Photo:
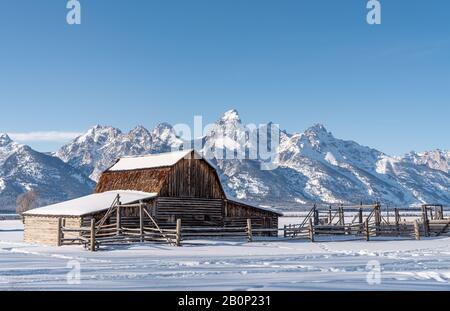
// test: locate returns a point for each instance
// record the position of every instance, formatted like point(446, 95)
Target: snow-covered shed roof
point(90, 204)
point(150, 161)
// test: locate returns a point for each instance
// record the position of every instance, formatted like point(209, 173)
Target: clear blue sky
point(294, 62)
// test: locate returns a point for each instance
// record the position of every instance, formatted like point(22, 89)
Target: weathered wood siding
point(236, 215)
point(193, 178)
point(193, 212)
point(44, 229)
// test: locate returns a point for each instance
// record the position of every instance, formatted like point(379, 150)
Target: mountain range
point(312, 166)
point(23, 169)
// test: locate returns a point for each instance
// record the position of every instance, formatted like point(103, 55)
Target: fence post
point(416, 230)
point(367, 230)
point(425, 221)
point(397, 221)
point(118, 220)
point(311, 230)
point(59, 233)
point(360, 216)
point(284, 231)
point(141, 222)
point(377, 218)
point(315, 214)
point(178, 233)
point(249, 230)
point(92, 245)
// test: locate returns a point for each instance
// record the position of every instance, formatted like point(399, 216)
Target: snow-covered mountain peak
point(4, 139)
point(318, 132)
point(140, 135)
point(139, 130)
point(162, 128)
point(317, 128)
point(100, 146)
point(227, 133)
point(23, 169)
point(231, 116)
point(7, 147)
point(164, 135)
point(435, 159)
point(99, 134)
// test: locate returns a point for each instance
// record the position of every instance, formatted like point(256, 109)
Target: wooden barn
point(171, 187)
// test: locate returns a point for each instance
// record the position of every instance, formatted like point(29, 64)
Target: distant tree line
point(26, 201)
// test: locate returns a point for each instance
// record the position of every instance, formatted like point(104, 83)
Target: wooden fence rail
point(93, 237)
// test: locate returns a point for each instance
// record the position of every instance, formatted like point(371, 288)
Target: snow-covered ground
point(226, 265)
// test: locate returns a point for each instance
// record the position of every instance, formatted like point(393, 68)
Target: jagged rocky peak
point(435, 159)
point(97, 132)
point(230, 116)
point(140, 135)
point(7, 147)
point(226, 133)
point(139, 131)
point(318, 130)
point(163, 131)
point(314, 137)
point(4, 139)
point(162, 127)
point(229, 124)
point(164, 135)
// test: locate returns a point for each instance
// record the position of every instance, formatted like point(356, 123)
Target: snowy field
point(226, 265)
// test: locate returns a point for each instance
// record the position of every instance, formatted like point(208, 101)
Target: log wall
point(44, 229)
point(236, 215)
point(193, 212)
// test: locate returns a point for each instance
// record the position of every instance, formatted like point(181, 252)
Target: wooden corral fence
point(431, 223)
point(331, 221)
point(229, 232)
point(367, 222)
point(121, 230)
point(114, 228)
point(94, 236)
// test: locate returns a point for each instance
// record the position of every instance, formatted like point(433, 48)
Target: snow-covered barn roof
point(148, 173)
point(150, 161)
point(90, 204)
